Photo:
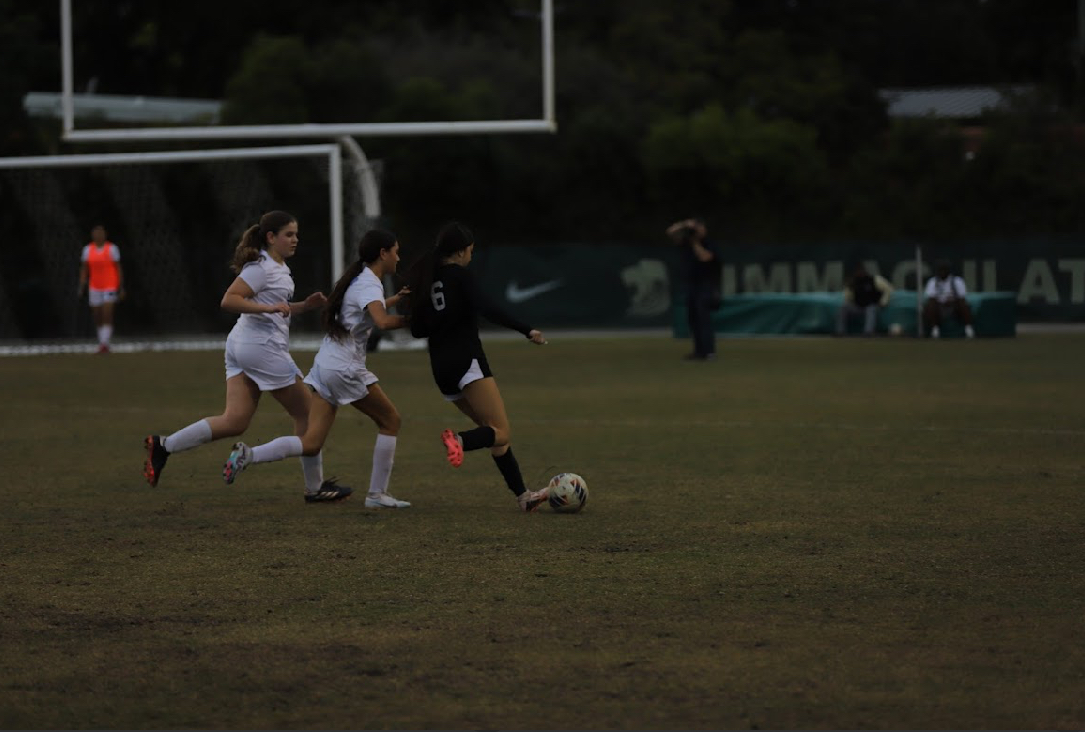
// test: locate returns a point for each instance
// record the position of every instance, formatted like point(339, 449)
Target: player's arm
point(239, 299)
point(398, 297)
point(931, 291)
point(120, 281)
point(84, 274)
point(703, 253)
point(885, 288)
point(678, 229)
point(316, 300)
point(496, 315)
point(382, 318)
point(958, 288)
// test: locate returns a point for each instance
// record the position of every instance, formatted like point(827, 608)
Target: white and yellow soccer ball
point(568, 492)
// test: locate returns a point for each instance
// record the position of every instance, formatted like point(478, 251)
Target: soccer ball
point(568, 492)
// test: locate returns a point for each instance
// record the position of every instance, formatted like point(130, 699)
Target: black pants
point(699, 307)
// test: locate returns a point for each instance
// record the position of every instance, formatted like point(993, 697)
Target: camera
point(687, 234)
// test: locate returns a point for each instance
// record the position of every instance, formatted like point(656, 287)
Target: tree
point(20, 55)
point(762, 175)
point(270, 87)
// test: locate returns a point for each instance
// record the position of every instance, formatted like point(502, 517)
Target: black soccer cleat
point(156, 459)
point(330, 492)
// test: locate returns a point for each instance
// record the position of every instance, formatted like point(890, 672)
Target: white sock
point(968, 331)
point(105, 333)
point(312, 467)
point(384, 455)
point(936, 332)
point(101, 335)
point(278, 449)
point(196, 434)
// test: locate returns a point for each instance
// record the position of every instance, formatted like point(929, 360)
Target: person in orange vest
point(102, 268)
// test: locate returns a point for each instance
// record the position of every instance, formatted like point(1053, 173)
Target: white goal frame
point(547, 123)
point(328, 150)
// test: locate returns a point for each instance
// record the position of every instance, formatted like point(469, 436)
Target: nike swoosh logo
point(514, 293)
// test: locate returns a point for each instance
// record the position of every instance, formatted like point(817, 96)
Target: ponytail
point(247, 250)
point(420, 280)
point(369, 250)
point(254, 240)
point(453, 237)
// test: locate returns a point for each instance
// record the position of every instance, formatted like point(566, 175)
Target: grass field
point(805, 534)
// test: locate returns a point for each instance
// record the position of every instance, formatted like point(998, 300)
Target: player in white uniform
point(257, 350)
point(339, 375)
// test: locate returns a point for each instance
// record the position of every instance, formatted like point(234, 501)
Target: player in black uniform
point(445, 305)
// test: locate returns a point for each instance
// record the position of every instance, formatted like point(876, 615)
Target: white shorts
point(474, 373)
point(269, 366)
point(98, 298)
point(340, 387)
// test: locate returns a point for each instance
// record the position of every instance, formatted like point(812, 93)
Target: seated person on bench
point(945, 299)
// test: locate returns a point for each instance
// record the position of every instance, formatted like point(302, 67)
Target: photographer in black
point(701, 265)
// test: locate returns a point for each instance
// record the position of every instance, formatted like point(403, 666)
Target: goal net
point(176, 218)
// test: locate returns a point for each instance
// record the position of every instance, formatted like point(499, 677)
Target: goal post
point(546, 123)
point(175, 216)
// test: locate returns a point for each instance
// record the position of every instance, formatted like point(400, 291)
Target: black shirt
point(864, 291)
point(700, 275)
point(449, 317)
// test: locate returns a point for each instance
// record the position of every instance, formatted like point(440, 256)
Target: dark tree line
point(761, 115)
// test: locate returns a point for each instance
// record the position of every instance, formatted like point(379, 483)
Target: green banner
point(636, 286)
point(1046, 277)
point(575, 286)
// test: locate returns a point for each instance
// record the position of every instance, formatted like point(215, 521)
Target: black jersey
point(449, 319)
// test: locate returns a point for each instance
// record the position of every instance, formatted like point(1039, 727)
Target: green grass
point(805, 534)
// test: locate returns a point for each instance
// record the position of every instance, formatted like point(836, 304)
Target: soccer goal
point(176, 218)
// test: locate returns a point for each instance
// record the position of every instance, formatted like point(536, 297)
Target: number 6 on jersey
point(437, 295)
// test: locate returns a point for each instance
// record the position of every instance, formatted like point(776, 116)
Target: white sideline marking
point(310, 343)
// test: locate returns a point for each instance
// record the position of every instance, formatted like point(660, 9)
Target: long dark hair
point(453, 237)
point(254, 240)
point(370, 247)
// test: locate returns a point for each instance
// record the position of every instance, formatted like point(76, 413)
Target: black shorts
point(450, 371)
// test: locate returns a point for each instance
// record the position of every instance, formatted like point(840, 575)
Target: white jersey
point(271, 284)
point(349, 353)
point(945, 290)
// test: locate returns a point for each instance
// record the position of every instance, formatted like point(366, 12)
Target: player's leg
point(378, 407)
point(708, 330)
point(482, 402)
point(309, 436)
point(870, 319)
point(105, 325)
point(242, 397)
point(964, 314)
point(96, 298)
point(483, 405)
point(694, 325)
point(932, 317)
point(296, 400)
point(319, 420)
